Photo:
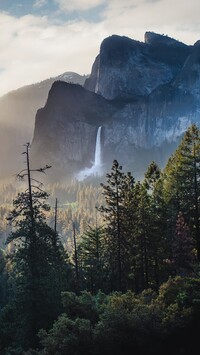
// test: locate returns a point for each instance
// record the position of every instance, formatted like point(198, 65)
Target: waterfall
point(96, 168)
point(97, 157)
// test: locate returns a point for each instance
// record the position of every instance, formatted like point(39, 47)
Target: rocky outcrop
point(127, 68)
point(133, 133)
point(188, 78)
point(66, 128)
point(143, 98)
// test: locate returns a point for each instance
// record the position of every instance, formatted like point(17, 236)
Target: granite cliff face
point(188, 79)
point(66, 128)
point(144, 95)
point(126, 67)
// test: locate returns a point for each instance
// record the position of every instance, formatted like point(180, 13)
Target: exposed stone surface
point(125, 67)
point(66, 128)
point(144, 95)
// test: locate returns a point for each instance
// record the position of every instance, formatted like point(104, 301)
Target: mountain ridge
point(17, 120)
point(149, 106)
point(143, 94)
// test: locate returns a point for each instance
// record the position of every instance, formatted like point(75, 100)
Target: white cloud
point(32, 49)
point(40, 3)
point(133, 17)
point(80, 5)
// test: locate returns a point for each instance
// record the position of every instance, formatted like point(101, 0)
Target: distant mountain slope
point(17, 118)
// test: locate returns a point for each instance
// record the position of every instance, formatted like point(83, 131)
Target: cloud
point(40, 3)
point(34, 48)
point(80, 5)
point(178, 19)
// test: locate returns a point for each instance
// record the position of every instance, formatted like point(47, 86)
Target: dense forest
point(104, 268)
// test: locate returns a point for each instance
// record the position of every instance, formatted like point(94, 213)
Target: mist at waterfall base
point(96, 169)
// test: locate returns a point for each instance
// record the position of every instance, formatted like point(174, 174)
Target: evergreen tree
point(152, 175)
point(112, 213)
point(159, 246)
point(142, 238)
point(182, 183)
point(116, 214)
point(37, 261)
point(92, 259)
point(128, 226)
point(76, 259)
point(183, 249)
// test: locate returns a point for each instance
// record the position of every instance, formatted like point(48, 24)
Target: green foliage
point(67, 337)
point(37, 265)
point(37, 268)
point(83, 306)
point(117, 218)
point(142, 238)
point(152, 175)
point(126, 323)
point(181, 181)
point(148, 323)
point(150, 232)
point(184, 257)
point(91, 259)
point(183, 291)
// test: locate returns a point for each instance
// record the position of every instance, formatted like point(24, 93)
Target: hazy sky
point(44, 38)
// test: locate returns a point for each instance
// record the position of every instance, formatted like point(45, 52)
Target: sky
point(40, 39)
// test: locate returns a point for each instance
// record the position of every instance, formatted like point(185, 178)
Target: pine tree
point(182, 183)
point(92, 259)
point(116, 215)
point(152, 175)
point(159, 244)
point(76, 258)
point(183, 248)
point(142, 238)
point(37, 261)
point(128, 226)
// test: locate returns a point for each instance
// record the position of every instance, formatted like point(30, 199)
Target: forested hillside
point(104, 268)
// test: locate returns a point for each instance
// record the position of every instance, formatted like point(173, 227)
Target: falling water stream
point(97, 157)
point(96, 168)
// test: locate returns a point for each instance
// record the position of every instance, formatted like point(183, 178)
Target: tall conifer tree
point(183, 248)
point(182, 182)
point(37, 261)
point(118, 224)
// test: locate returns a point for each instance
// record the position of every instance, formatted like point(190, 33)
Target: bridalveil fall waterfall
point(96, 168)
point(97, 158)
